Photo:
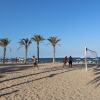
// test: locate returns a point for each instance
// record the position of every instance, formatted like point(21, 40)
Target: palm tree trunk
point(4, 54)
point(38, 51)
point(53, 54)
point(26, 49)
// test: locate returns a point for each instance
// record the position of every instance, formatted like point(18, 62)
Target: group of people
point(65, 61)
point(68, 60)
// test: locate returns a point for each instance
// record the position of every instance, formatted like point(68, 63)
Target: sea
point(48, 60)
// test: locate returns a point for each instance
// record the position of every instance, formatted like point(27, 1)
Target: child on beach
point(35, 62)
point(65, 61)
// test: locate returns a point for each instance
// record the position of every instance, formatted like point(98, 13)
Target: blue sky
point(75, 22)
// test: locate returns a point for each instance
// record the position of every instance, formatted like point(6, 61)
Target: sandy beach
point(50, 82)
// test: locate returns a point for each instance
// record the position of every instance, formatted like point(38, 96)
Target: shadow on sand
point(23, 76)
point(51, 72)
point(49, 75)
point(8, 93)
point(45, 70)
point(13, 68)
point(96, 80)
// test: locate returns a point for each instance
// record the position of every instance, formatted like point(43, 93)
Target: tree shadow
point(8, 93)
point(45, 70)
point(53, 72)
point(47, 76)
point(83, 66)
point(13, 68)
point(1, 76)
point(96, 80)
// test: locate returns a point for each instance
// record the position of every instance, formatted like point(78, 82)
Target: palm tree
point(4, 43)
point(37, 38)
point(53, 40)
point(26, 43)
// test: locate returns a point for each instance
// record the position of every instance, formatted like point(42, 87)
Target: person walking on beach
point(65, 61)
point(70, 60)
point(16, 60)
point(19, 60)
point(35, 62)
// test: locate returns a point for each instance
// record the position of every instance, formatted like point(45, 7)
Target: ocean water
point(48, 60)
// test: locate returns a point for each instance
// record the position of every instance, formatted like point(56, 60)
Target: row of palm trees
point(26, 43)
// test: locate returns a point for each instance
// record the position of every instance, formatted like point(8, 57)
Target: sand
point(50, 82)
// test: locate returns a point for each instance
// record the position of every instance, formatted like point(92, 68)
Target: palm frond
point(53, 40)
point(37, 38)
point(4, 42)
point(25, 42)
